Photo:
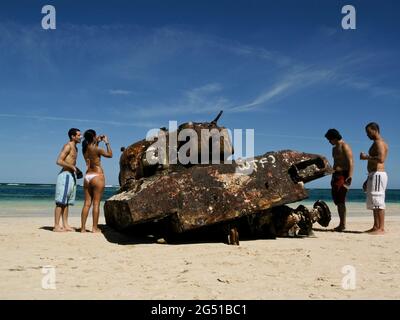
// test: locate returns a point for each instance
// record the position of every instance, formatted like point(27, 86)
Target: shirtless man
point(66, 181)
point(342, 177)
point(375, 185)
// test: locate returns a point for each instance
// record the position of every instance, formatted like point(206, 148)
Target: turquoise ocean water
point(19, 199)
point(38, 199)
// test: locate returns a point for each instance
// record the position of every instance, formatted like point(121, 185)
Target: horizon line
point(112, 185)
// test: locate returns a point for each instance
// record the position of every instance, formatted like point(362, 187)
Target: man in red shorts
point(342, 177)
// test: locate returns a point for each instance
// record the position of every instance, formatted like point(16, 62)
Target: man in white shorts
point(375, 185)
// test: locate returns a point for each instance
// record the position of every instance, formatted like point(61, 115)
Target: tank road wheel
point(233, 236)
point(324, 213)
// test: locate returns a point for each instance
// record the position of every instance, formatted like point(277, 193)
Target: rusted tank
point(247, 196)
point(134, 165)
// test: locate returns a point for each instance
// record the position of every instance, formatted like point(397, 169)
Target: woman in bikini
point(94, 181)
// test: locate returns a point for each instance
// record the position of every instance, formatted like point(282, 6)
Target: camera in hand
point(79, 174)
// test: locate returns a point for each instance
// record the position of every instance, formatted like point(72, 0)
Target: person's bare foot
point(339, 228)
point(58, 229)
point(96, 230)
point(373, 229)
point(377, 232)
point(69, 228)
point(161, 241)
point(83, 230)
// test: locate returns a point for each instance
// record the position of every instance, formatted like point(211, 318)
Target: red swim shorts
point(339, 191)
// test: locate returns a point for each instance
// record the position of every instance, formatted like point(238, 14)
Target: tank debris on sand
point(246, 196)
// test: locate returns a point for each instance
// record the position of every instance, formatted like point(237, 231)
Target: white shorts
point(376, 188)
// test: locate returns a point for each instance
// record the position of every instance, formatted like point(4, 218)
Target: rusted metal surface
point(284, 221)
point(133, 164)
point(205, 195)
point(199, 196)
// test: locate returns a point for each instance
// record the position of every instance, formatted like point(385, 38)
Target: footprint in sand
point(18, 268)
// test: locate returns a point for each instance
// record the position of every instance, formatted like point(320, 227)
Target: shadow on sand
point(113, 236)
point(332, 230)
point(120, 238)
point(50, 228)
point(132, 238)
point(46, 228)
point(194, 237)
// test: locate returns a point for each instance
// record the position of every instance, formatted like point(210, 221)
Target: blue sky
point(286, 69)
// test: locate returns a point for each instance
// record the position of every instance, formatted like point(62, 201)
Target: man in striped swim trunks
point(66, 181)
point(375, 185)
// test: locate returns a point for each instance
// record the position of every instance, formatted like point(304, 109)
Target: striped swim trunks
point(65, 189)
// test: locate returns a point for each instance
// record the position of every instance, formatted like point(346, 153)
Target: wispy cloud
point(328, 31)
point(74, 120)
point(285, 136)
point(364, 143)
point(146, 49)
point(292, 82)
point(200, 100)
point(361, 84)
point(303, 77)
point(297, 76)
point(278, 89)
point(347, 71)
point(120, 92)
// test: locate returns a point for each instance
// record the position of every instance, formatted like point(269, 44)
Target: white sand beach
point(115, 266)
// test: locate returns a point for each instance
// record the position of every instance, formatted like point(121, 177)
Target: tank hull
point(206, 195)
